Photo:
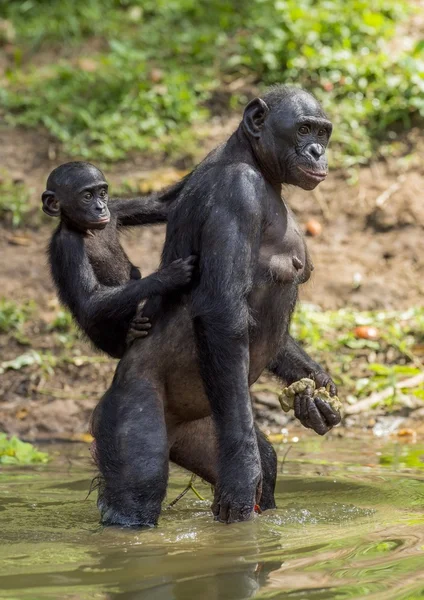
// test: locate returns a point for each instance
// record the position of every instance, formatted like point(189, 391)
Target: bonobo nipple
point(297, 263)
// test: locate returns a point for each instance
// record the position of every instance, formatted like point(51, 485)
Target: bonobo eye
point(322, 132)
point(88, 195)
point(304, 129)
point(102, 193)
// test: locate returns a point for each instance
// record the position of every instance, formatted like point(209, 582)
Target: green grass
point(157, 66)
point(363, 366)
point(14, 201)
point(13, 316)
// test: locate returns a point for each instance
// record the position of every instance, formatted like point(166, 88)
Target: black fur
point(207, 347)
point(91, 271)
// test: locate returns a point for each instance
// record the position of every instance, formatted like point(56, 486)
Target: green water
point(349, 524)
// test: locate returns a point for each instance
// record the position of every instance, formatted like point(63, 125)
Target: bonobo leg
point(131, 453)
point(194, 447)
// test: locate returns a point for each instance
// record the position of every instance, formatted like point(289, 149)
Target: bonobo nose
point(315, 151)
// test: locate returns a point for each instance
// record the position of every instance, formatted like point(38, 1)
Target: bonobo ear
point(254, 116)
point(50, 204)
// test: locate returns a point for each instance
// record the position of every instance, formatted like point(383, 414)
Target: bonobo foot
point(238, 490)
point(315, 413)
point(124, 510)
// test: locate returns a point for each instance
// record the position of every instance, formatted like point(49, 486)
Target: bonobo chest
point(108, 259)
point(283, 256)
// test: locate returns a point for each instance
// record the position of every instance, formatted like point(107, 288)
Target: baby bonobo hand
point(179, 273)
point(173, 277)
point(139, 326)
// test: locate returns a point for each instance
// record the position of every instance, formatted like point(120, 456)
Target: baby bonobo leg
point(131, 453)
point(194, 447)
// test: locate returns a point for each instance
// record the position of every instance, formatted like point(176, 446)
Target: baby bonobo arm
point(293, 363)
point(95, 306)
point(146, 210)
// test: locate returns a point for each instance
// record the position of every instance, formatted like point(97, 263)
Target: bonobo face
point(78, 193)
point(293, 137)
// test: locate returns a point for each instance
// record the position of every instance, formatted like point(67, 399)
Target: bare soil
point(369, 255)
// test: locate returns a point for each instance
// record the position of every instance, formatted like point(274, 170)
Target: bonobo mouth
point(314, 175)
point(99, 224)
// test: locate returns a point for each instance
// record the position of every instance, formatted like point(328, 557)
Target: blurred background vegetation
point(115, 76)
point(125, 83)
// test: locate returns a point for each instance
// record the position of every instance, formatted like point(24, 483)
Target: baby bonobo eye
point(102, 193)
point(322, 132)
point(88, 195)
point(304, 129)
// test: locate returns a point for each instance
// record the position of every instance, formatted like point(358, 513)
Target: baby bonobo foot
point(179, 273)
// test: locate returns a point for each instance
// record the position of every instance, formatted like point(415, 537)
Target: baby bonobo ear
point(254, 116)
point(50, 204)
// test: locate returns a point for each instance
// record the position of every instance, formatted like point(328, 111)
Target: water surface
point(349, 524)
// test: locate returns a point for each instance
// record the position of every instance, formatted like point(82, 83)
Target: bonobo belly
point(168, 356)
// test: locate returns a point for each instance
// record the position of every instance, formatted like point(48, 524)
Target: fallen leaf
point(19, 240)
point(22, 414)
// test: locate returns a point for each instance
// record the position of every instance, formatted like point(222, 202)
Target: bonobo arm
point(104, 312)
point(229, 249)
point(291, 364)
point(146, 210)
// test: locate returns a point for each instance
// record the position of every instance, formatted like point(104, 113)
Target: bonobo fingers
point(314, 413)
point(180, 272)
point(323, 379)
point(316, 419)
point(141, 324)
point(301, 410)
point(331, 416)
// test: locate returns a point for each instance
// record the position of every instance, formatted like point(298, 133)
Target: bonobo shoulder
point(245, 183)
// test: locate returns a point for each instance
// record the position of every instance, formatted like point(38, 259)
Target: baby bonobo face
point(78, 193)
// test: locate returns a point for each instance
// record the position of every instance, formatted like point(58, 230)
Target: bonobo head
point(78, 193)
point(289, 133)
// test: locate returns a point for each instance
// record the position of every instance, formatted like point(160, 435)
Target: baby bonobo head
point(289, 133)
point(77, 192)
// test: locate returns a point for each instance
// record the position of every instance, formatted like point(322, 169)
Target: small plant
point(63, 322)
point(14, 201)
point(13, 316)
point(16, 452)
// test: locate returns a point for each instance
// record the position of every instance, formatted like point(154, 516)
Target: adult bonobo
point(183, 393)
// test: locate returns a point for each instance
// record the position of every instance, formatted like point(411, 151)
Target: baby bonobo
point(92, 273)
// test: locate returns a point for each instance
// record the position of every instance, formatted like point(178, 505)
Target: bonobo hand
point(314, 413)
point(323, 379)
point(239, 488)
point(179, 273)
point(139, 326)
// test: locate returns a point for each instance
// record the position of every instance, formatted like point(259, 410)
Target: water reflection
point(349, 525)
